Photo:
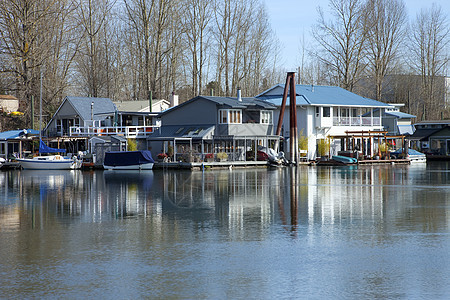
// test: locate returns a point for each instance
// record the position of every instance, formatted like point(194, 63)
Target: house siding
point(189, 112)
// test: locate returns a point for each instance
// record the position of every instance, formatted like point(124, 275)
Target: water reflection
point(243, 200)
point(356, 232)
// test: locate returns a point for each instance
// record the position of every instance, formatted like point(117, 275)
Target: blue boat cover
point(128, 158)
point(43, 148)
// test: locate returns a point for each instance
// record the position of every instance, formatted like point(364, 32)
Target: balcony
point(356, 121)
point(125, 131)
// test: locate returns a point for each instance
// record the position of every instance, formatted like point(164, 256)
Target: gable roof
point(82, 106)
point(231, 102)
point(311, 95)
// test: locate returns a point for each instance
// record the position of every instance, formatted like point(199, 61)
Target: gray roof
point(321, 95)
point(423, 134)
point(182, 131)
point(83, 106)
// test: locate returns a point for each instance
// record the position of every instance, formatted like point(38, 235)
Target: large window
point(266, 117)
point(230, 116)
point(326, 112)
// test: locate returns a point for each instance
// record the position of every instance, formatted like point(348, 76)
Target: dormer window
point(230, 116)
point(266, 117)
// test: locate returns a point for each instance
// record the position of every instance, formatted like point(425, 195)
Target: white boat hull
point(147, 166)
point(35, 164)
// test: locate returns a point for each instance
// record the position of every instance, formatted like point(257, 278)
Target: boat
point(413, 155)
point(344, 159)
point(128, 160)
point(48, 162)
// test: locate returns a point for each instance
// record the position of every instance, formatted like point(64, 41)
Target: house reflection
point(239, 202)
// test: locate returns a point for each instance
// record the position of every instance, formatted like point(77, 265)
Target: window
point(230, 116)
point(317, 112)
point(266, 117)
point(326, 112)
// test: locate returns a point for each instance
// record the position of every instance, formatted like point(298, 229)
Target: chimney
point(173, 99)
point(312, 88)
point(239, 98)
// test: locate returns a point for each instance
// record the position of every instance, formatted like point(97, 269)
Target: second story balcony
point(125, 131)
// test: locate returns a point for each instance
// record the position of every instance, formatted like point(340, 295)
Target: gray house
point(88, 116)
point(208, 127)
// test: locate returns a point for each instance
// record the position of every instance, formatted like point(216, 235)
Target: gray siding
point(244, 129)
point(194, 113)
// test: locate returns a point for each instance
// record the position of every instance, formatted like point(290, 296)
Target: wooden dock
point(209, 165)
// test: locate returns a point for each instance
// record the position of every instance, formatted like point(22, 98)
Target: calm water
point(315, 233)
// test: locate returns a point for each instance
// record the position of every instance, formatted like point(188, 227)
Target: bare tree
point(343, 40)
point(197, 15)
point(36, 37)
point(91, 63)
point(385, 22)
point(429, 46)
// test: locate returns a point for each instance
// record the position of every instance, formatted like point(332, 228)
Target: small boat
point(48, 162)
point(128, 160)
point(413, 155)
point(344, 159)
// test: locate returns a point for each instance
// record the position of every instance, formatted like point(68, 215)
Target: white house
point(327, 111)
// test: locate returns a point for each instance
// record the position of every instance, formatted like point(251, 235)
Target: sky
point(292, 21)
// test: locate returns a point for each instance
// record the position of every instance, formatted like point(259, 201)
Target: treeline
point(134, 49)
point(137, 49)
point(373, 48)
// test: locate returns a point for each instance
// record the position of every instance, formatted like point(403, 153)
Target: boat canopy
point(128, 158)
point(43, 148)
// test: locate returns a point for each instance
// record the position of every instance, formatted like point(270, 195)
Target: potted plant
point(209, 157)
point(323, 147)
point(162, 156)
point(222, 156)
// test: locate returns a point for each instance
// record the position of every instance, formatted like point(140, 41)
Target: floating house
point(329, 113)
point(214, 128)
point(432, 138)
point(88, 116)
point(12, 142)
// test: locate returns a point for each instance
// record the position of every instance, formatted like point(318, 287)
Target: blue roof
point(320, 95)
point(400, 115)
point(14, 134)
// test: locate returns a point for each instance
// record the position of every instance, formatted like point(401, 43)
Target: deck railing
point(126, 131)
point(356, 121)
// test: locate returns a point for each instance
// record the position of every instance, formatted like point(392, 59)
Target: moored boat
point(344, 159)
point(412, 155)
point(128, 160)
point(48, 162)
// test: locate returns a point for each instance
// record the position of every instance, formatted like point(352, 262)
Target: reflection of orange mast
point(293, 139)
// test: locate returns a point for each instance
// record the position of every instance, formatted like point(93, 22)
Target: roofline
point(271, 88)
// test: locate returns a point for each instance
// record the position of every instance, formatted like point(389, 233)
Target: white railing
point(126, 131)
point(356, 121)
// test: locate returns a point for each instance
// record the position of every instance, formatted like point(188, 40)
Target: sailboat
point(49, 162)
